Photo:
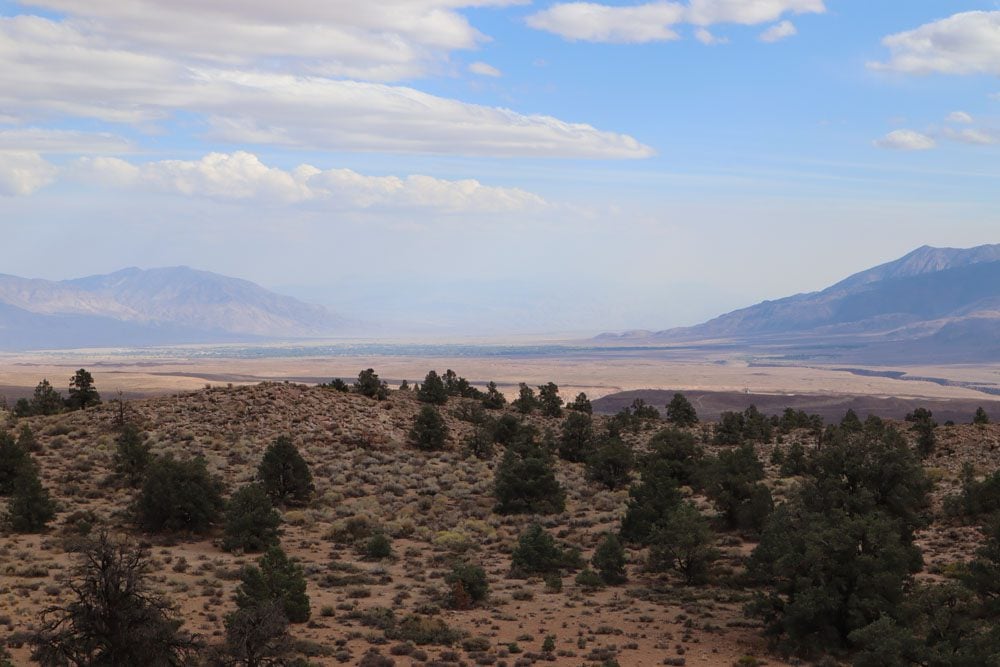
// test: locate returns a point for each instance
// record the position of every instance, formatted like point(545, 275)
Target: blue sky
point(491, 166)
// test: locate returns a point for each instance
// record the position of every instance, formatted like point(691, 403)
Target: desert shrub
point(378, 547)
point(429, 432)
point(609, 560)
point(538, 553)
point(650, 501)
point(275, 578)
point(179, 496)
point(589, 579)
point(285, 474)
point(251, 522)
point(337, 384)
point(368, 384)
point(683, 542)
point(549, 401)
point(132, 454)
point(493, 399)
point(467, 585)
point(527, 484)
point(680, 412)
point(30, 508)
point(576, 442)
point(433, 390)
point(109, 589)
point(610, 463)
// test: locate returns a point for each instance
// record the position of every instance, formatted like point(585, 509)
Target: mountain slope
point(146, 307)
point(929, 295)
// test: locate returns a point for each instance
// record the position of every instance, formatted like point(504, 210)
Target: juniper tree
point(609, 560)
point(179, 496)
point(433, 390)
point(680, 412)
point(30, 507)
point(581, 404)
point(251, 522)
point(275, 578)
point(430, 431)
point(46, 400)
point(493, 399)
point(549, 400)
point(132, 454)
point(526, 401)
point(368, 384)
point(82, 392)
point(576, 442)
point(285, 474)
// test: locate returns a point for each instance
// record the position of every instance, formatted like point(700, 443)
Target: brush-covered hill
point(436, 508)
point(934, 304)
point(151, 307)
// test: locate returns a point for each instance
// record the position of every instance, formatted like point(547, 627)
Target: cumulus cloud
point(484, 69)
point(778, 32)
point(23, 172)
point(906, 140)
point(384, 40)
point(964, 43)
point(655, 21)
point(50, 68)
point(959, 117)
point(592, 22)
point(242, 176)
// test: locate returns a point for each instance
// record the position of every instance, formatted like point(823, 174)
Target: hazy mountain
point(934, 302)
point(151, 307)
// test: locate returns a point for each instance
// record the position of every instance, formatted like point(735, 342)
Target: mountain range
point(932, 305)
point(164, 306)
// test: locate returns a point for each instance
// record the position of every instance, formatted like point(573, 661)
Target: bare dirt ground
point(436, 506)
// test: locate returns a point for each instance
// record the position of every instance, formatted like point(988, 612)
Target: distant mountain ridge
point(151, 307)
point(939, 302)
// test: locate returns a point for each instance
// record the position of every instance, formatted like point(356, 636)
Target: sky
point(498, 166)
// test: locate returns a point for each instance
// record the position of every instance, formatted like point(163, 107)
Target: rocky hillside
point(156, 306)
point(435, 506)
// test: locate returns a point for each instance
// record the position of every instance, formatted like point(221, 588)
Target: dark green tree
point(650, 502)
point(132, 454)
point(680, 451)
point(82, 392)
point(27, 441)
point(851, 422)
point(549, 400)
point(683, 542)
point(112, 618)
point(526, 401)
point(609, 560)
point(732, 481)
point(433, 390)
point(480, 443)
point(257, 636)
point(251, 522)
point(338, 384)
point(494, 399)
point(981, 417)
point(581, 404)
point(538, 553)
point(46, 400)
point(680, 412)
point(526, 484)
point(610, 463)
point(429, 432)
point(30, 508)
point(275, 578)
point(467, 584)
point(285, 474)
point(13, 458)
point(179, 496)
point(368, 384)
point(577, 440)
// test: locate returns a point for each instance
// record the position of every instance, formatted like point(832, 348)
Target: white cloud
point(242, 176)
point(959, 117)
point(704, 36)
point(484, 69)
point(384, 40)
point(592, 22)
point(964, 43)
point(22, 172)
point(51, 69)
point(975, 136)
point(749, 12)
point(906, 140)
point(778, 32)
point(655, 21)
point(42, 140)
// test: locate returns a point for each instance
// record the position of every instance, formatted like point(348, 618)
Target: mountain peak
point(925, 259)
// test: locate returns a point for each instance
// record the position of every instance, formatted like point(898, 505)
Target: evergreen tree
point(132, 454)
point(429, 432)
point(610, 463)
point(251, 522)
point(549, 400)
point(683, 541)
point(526, 484)
point(82, 392)
point(26, 440)
point(493, 400)
point(433, 390)
point(577, 440)
point(981, 417)
point(30, 507)
point(679, 451)
point(257, 636)
point(46, 400)
point(680, 412)
point(13, 458)
point(526, 402)
point(609, 560)
point(538, 553)
point(732, 481)
point(285, 474)
point(368, 384)
point(275, 578)
point(179, 496)
point(650, 502)
point(581, 404)
point(468, 585)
